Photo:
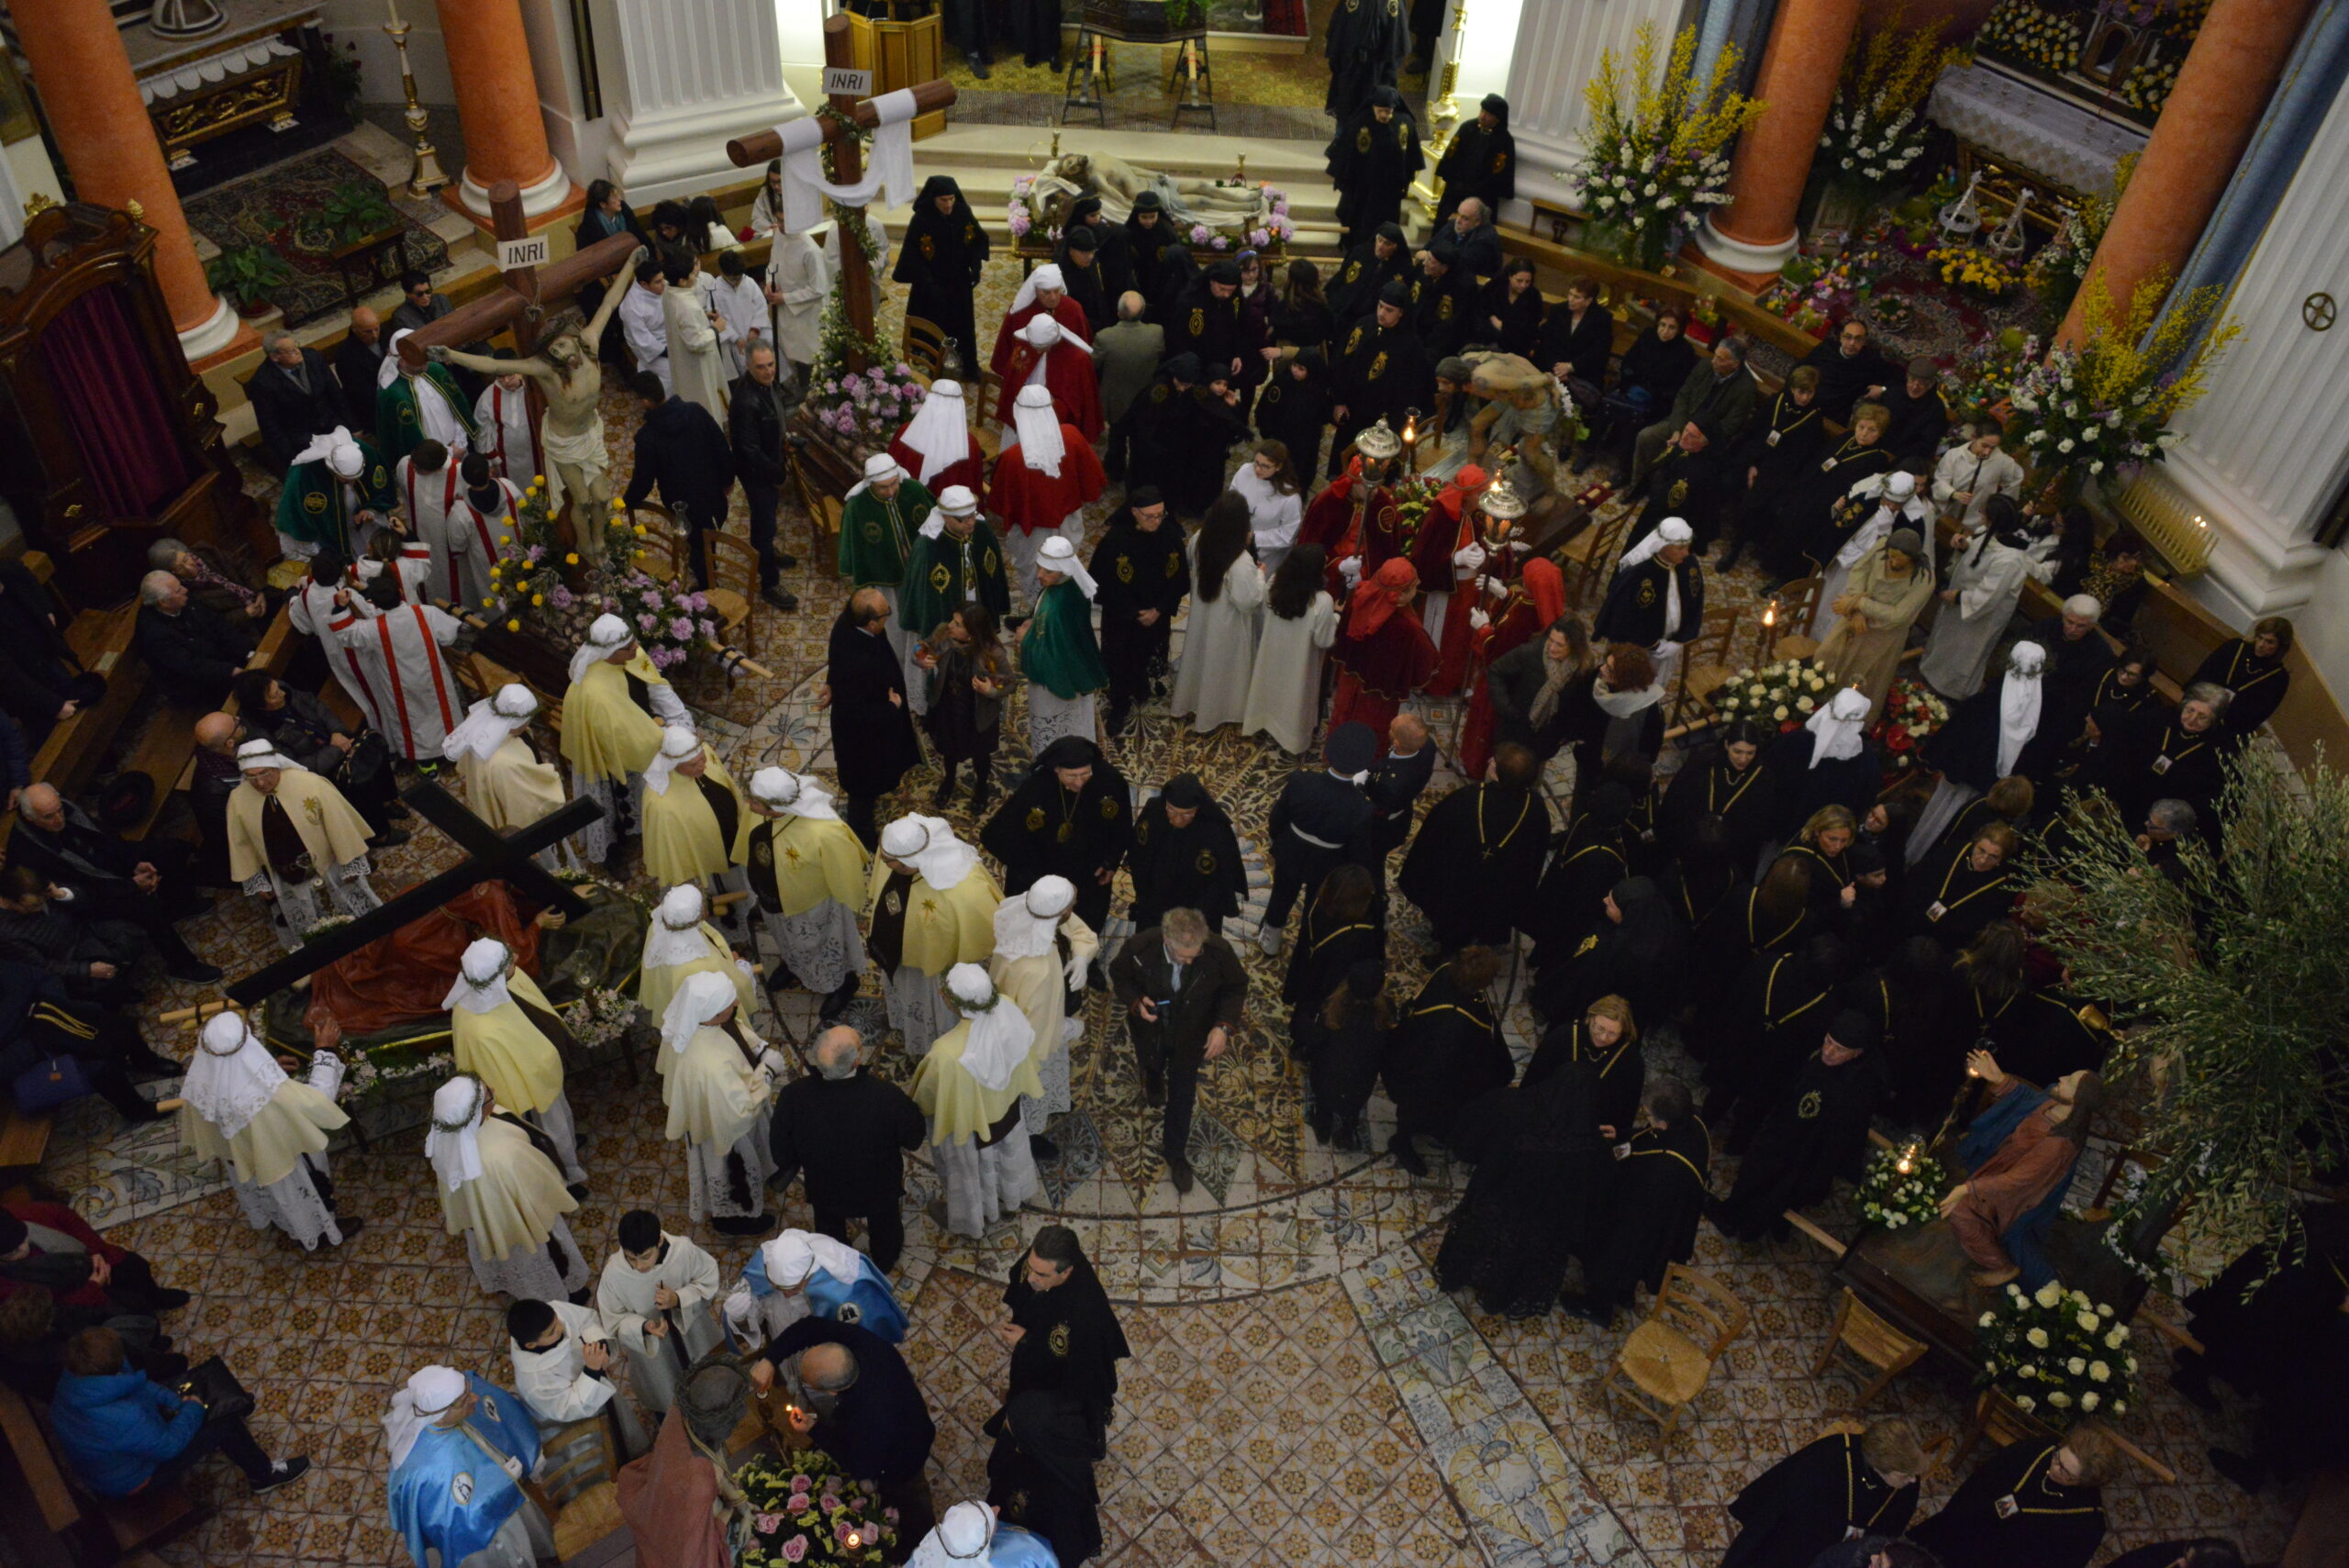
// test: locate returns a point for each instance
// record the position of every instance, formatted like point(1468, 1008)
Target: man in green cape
point(1057, 652)
point(413, 405)
point(877, 524)
point(337, 489)
point(957, 560)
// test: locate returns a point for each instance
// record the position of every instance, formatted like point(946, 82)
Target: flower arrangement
point(1658, 155)
point(529, 571)
point(806, 1513)
point(373, 1074)
point(1911, 714)
point(2111, 400)
point(600, 1016)
point(1876, 130)
point(669, 620)
point(2059, 267)
point(1987, 371)
point(2057, 1354)
point(2029, 34)
point(1784, 694)
point(1976, 271)
point(1902, 1188)
point(867, 407)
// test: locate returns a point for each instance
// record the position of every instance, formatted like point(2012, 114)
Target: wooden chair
point(663, 541)
point(1798, 607)
point(1996, 1418)
point(823, 514)
point(577, 1475)
point(1584, 560)
point(1883, 1348)
point(1665, 1361)
point(732, 566)
point(924, 346)
point(1706, 664)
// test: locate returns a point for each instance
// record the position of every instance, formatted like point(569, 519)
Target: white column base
point(1739, 257)
point(216, 333)
point(543, 195)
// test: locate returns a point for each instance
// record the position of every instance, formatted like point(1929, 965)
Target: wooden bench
point(168, 750)
point(1557, 214)
point(110, 1528)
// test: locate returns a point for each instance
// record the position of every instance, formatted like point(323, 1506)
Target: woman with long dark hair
point(1656, 364)
point(707, 228)
point(1267, 482)
point(967, 683)
point(1219, 642)
point(1302, 316)
point(1301, 622)
point(1513, 310)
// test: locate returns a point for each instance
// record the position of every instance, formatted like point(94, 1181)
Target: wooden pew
point(112, 1526)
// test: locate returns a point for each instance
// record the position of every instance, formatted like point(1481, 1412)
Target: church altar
point(2031, 131)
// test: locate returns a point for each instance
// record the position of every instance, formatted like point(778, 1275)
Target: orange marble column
point(2221, 91)
point(91, 100)
point(497, 103)
point(1755, 230)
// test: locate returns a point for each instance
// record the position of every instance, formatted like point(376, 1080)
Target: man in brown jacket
point(1183, 990)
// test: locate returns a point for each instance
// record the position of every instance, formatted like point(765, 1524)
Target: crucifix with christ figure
point(847, 158)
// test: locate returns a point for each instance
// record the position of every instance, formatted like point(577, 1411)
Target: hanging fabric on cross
point(892, 166)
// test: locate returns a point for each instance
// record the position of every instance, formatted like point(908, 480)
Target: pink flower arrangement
point(1201, 234)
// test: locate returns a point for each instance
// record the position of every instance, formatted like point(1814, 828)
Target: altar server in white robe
point(460, 1448)
point(418, 700)
point(501, 1190)
point(1897, 505)
point(331, 590)
point(505, 785)
point(743, 315)
point(1276, 507)
point(490, 509)
point(566, 1368)
point(657, 1296)
point(411, 569)
point(720, 1092)
point(297, 843)
point(970, 1087)
point(1987, 578)
point(502, 429)
point(270, 1130)
point(807, 875)
point(429, 481)
point(644, 323)
point(613, 713)
point(1299, 624)
point(697, 361)
point(680, 944)
point(502, 1030)
point(798, 281)
point(1969, 475)
point(1041, 954)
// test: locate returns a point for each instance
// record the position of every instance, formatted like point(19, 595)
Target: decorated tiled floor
point(1300, 1394)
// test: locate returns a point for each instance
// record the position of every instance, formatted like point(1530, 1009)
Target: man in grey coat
point(1126, 356)
point(1711, 408)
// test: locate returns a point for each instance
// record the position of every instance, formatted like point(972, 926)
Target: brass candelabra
point(427, 175)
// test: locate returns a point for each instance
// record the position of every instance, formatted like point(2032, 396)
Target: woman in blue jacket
point(120, 1430)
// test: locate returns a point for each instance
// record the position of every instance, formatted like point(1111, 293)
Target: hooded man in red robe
point(1045, 292)
point(1451, 596)
point(1341, 515)
point(1045, 353)
point(937, 446)
point(1383, 654)
point(1042, 481)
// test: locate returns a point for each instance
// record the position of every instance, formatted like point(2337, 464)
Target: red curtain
point(1285, 16)
point(106, 385)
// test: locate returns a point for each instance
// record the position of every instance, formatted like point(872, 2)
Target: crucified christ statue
point(567, 374)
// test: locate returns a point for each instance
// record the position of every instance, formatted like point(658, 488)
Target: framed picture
point(16, 121)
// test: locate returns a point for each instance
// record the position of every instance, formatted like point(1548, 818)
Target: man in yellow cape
point(505, 784)
point(696, 828)
point(503, 1030)
point(1041, 951)
point(613, 713)
point(807, 873)
point(240, 1108)
point(720, 1094)
point(295, 843)
point(970, 1087)
point(930, 906)
point(680, 944)
point(501, 1191)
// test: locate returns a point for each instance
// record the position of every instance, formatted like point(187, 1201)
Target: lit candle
point(1770, 614)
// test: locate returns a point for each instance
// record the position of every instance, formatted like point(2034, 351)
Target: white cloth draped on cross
point(892, 164)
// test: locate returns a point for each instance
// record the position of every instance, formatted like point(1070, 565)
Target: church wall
point(360, 22)
point(679, 78)
point(579, 139)
point(1553, 50)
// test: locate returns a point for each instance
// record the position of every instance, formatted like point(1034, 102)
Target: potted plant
point(357, 213)
point(247, 275)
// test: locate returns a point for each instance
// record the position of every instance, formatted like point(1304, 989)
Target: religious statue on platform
point(568, 377)
point(1117, 182)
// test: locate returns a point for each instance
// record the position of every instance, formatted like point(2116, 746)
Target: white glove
point(771, 1062)
point(745, 966)
point(1520, 545)
point(1350, 569)
point(1077, 965)
point(1478, 620)
point(1468, 561)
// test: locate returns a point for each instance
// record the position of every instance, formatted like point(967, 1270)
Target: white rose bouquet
point(2058, 1355)
point(1901, 1189)
point(1784, 694)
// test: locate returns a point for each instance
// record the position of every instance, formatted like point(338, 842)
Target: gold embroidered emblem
point(1443, 308)
point(1501, 161)
point(1198, 322)
point(314, 811)
point(1378, 365)
point(1646, 595)
point(1680, 493)
point(762, 851)
point(1272, 395)
point(940, 579)
point(1353, 271)
point(1588, 943)
point(895, 903)
point(315, 503)
point(1158, 392)
point(1206, 862)
point(1125, 568)
point(929, 249)
point(1354, 341)
point(407, 413)
point(873, 530)
point(1174, 564)
point(1057, 1340)
point(1402, 132)
point(1141, 832)
point(791, 854)
point(1063, 833)
point(970, 234)
point(1417, 283)
point(1807, 1108)
point(1361, 140)
point(930, 905)
point(1035, 818)
point(1109, 809)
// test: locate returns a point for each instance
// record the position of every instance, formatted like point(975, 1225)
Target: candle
point(394, 8)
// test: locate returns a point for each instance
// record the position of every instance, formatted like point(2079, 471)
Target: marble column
point(680, 77)
point(2208, 120)
point(92, 101)
point(1555, 51)
point(1755, 231)
point(497, 104)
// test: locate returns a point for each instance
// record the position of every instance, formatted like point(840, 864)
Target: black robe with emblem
point(873, 737)
point(1480, 163)
point(1134, 571)
point(1042, 831)
point(1197, 867)
point(1803, 1503)
point(1358, 280)
point(1948, 900)
point(1446, 1051)
point(1380, 372)
point(1776, 448)
point(1070, 1345)
point(1801, 512)
point(1541, 1177)
point(1816, 1129)
point(1474, 863)
point(1208, 327)
point(1040, 1474)
point(1167, 438)
point(1373, 166)
point(1656, 1198)
point(1445, 313)
point(1744, 800)
point(1365, 43)
point(940, 261)
point(1637, 599)
point(2052, 1526)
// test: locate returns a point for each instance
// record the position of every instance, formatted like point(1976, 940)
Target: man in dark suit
point(1394, 785)
point(755, 412)
point(357, 360)
point(852, 1393)
point(294, 396)
point(1183, 990)
point(681, 451)
point(146, 883)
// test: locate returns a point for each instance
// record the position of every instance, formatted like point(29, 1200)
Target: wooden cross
point(490, 856)
point(848, 166)
point(517, 307)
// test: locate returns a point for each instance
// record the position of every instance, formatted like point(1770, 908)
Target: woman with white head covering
point(1041, 954)
point(719, 1089)
point(1047, 355)
point(806, 871)
point(296, 842)
point(931, 906)
point(970, 1536)
point(803, 1273)
point(1898, 504)
point(1044, 291)
point(1989, 736)
point(1059, 654)
point(970, 1085)
point(1825, 763)
point(502, 1030)
point(680, 944)
point(412, 405)
point(937, 446)
point(1985, 580)
point(502, 1191)
point(694, 824)
point(505, 784)
point(240, 1108)
point(1888, 590)
point(613, 715)
point(460, 1449)
point(1044, 478)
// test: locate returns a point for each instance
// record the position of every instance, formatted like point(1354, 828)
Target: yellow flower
point(513, 625)
point(537, 480)
point(538, 598)
point(506, 539)
point(639, 531)
point(571, 560)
